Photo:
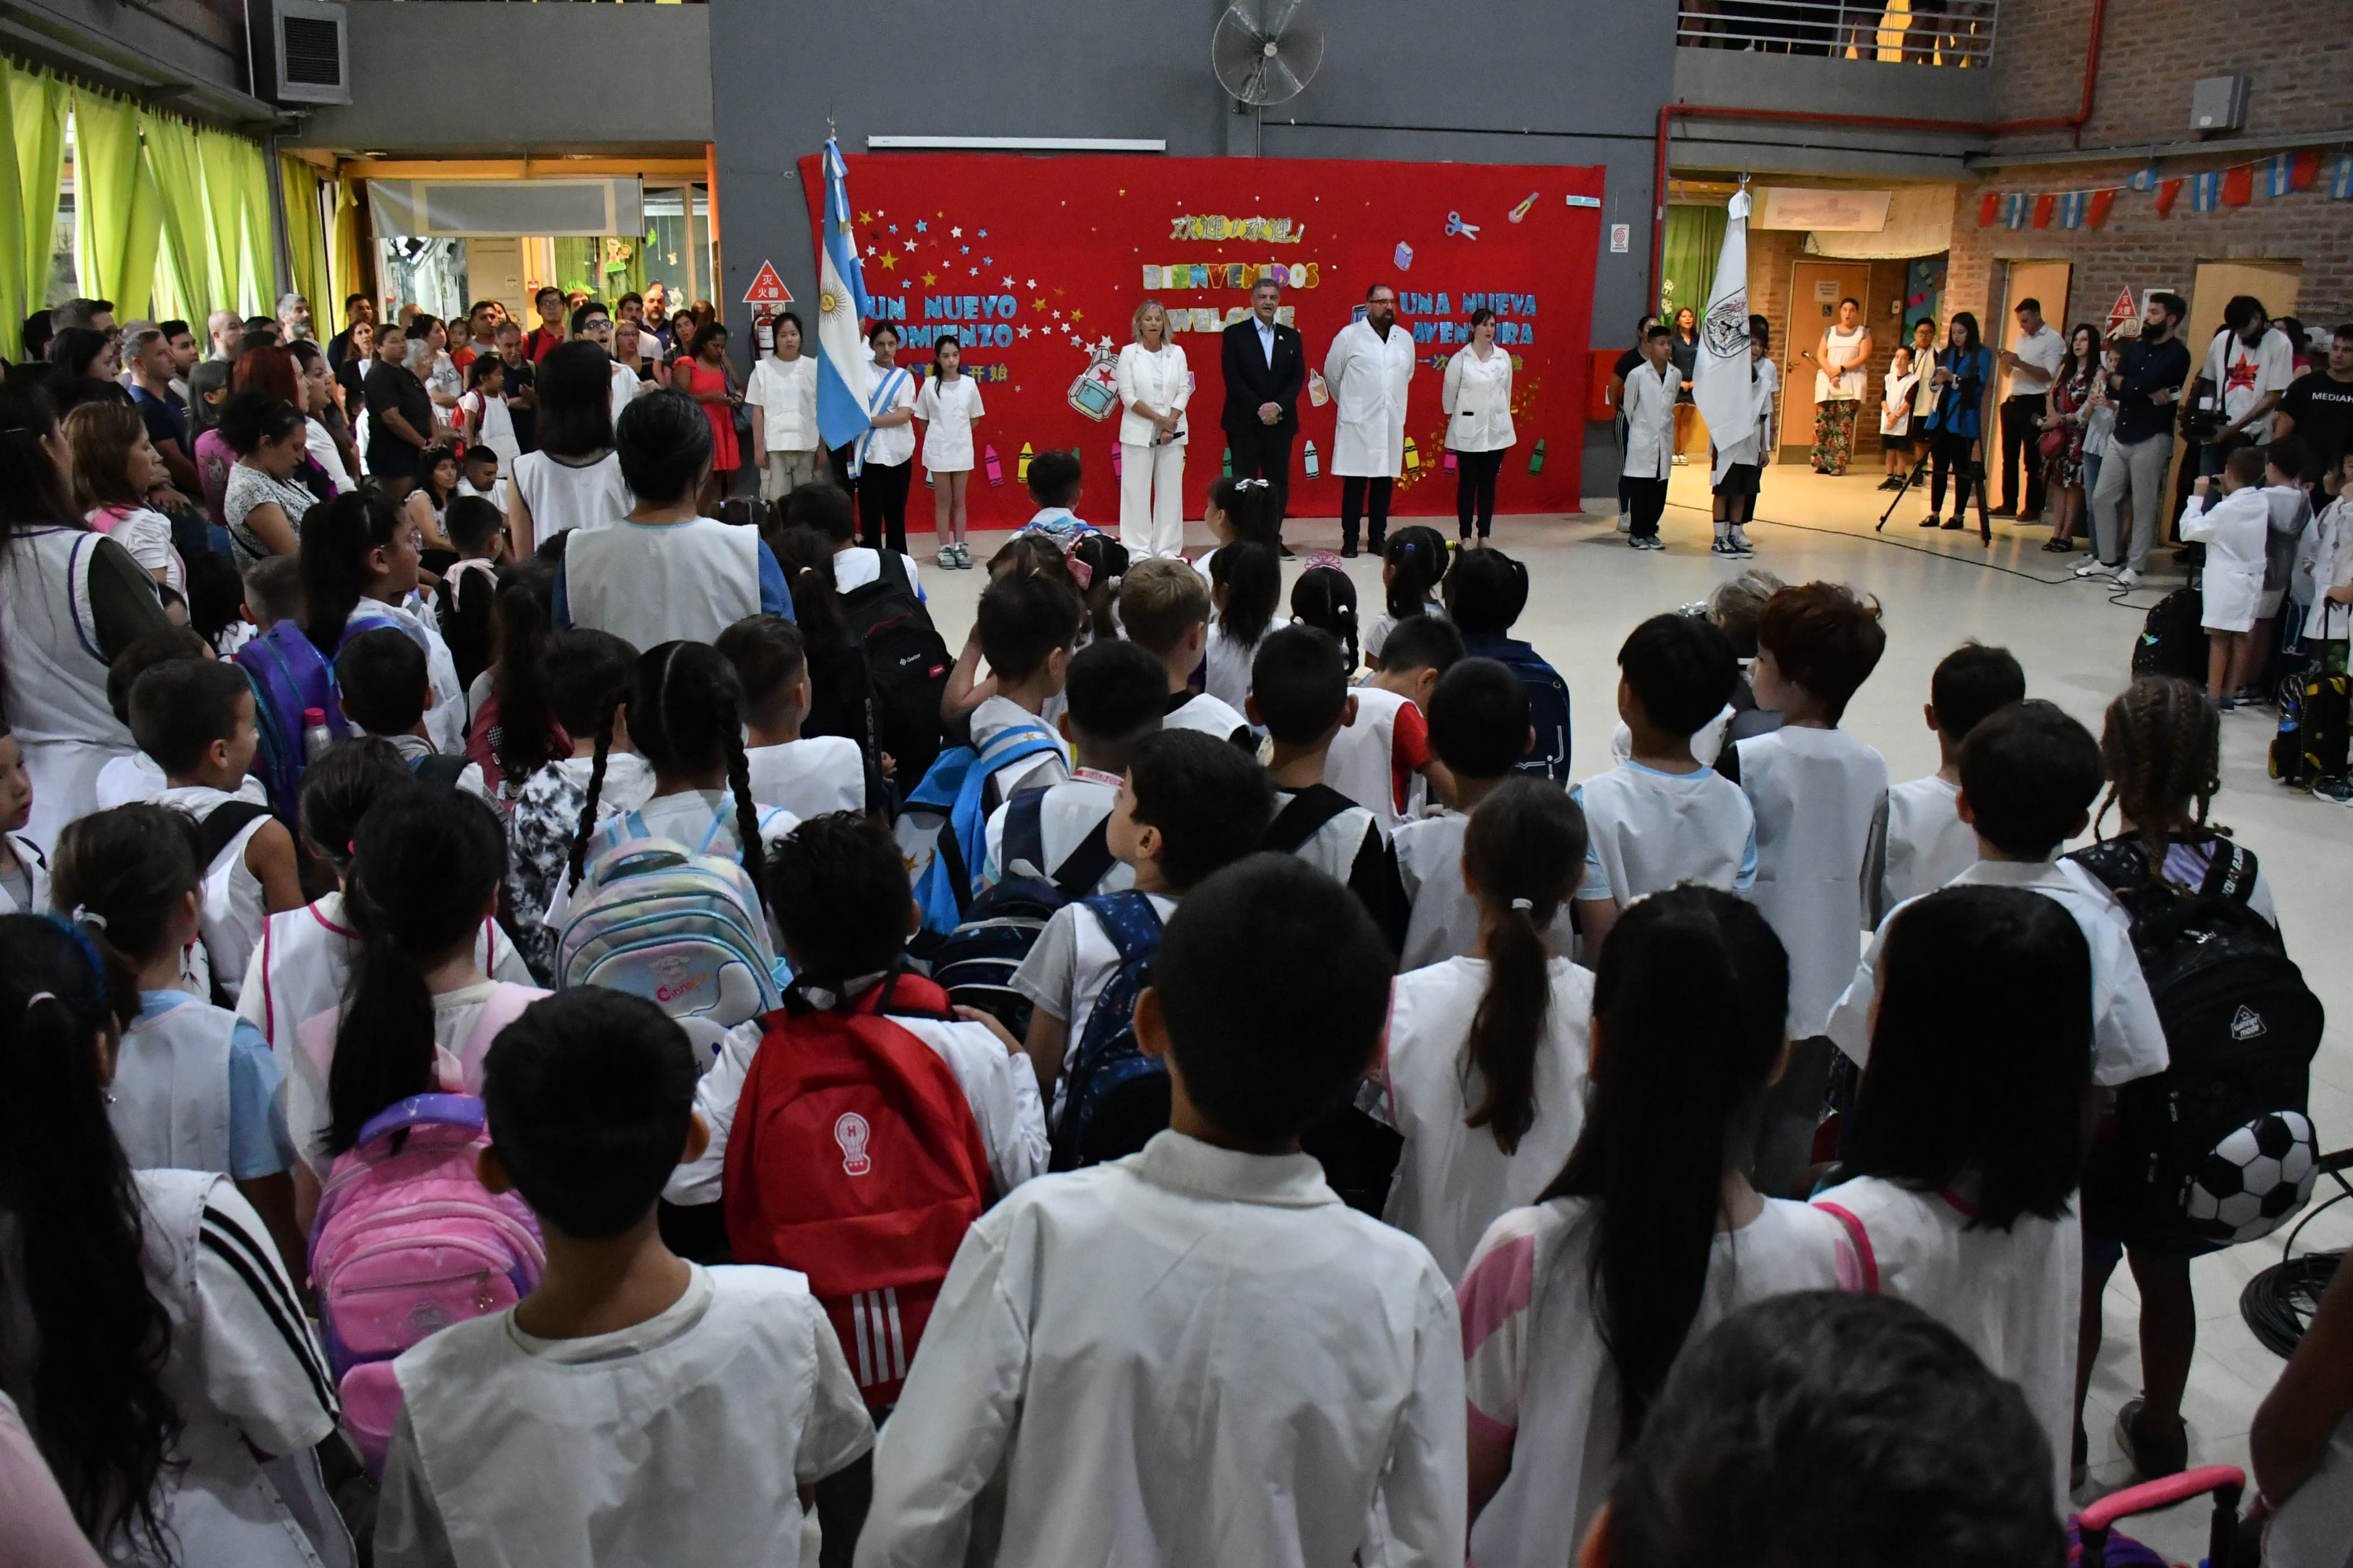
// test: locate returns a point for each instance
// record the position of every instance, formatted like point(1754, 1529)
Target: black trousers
point(1475, 491)
point(1368, 499)
point(1263, 452)
point(1650, 496)
point(2021, 434)
point(882, 504)
point(1950, 452)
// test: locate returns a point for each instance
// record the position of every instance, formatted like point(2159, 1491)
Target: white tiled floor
point(2075, 640)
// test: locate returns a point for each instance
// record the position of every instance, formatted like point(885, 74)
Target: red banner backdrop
point(1038, 265)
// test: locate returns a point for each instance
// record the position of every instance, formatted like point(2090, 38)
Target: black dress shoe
point(1287, 554)
point(1348, 552)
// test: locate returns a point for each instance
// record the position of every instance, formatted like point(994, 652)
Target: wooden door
point(1815, 289)
point(2044, 282)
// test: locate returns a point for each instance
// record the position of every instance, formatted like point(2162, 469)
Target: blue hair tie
point(94, 1000)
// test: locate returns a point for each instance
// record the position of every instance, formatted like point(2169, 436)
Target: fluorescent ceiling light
point(1021, 143)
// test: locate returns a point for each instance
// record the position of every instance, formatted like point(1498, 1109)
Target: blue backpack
point(1114, 1098)
point(289, 673)
point(1547, 703)
point(943, 829)
point(975, 963)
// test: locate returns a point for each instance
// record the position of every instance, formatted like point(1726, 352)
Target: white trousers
point(1152, 501)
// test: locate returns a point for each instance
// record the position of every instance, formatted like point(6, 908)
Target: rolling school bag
point(2311, 742)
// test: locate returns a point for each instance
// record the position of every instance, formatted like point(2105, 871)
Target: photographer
point(2144, 385)
point(2250, 363)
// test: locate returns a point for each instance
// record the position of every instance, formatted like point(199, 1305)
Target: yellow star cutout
point(889, 262)
point(1036, 304)
point(1076, 314)
point(866, 218)
point(930, 279)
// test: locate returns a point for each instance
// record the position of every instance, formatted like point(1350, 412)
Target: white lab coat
point(1650, 421)
point(2234, 531)
point(2325, 560)
point(1369, 376)
point(1478, 401)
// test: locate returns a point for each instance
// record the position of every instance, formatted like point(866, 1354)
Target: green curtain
point(36, 102)
point(577, 263)
point(224, 227)
point(177, 169)
point(260, 231)
point(117, 217)
point(1694, 240)
point(306, 239)
point(13, 307)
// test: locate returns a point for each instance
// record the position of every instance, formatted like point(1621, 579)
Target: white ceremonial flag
point(1723, 382)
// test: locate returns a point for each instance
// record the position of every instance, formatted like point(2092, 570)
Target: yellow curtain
point(224, 226)
point(13, 307)
point(117, 217)
point(351, 275)
point(306, 241)
point(260, 233)
point(36, 102)
point(178, 171)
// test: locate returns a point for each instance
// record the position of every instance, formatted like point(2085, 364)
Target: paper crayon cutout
point(1117, 466)
point(1449, 464)
point(1412, 456)
point(1319, 392)
point(1535, 458)
point(1404, 257)
point(1315, 463)
point(995, 469)
point(1228, 462)
point(1522, 210)
point(1021, 464)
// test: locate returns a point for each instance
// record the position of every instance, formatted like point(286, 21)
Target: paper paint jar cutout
point(1315, 463)
point(1404, 257)
point(1319, 392)
point(1449, 464)
point(1535, 458)
point(1021, 464)
point(927, 480)
point(1118, 463)
point(995, 469)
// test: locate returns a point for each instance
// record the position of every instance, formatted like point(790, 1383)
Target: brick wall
point(1772, 256)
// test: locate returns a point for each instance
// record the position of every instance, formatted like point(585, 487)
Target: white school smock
point(2128, 1038)
point(1646, 830)
point(169, 1103)
point(1206, 715)
point(810, 776)
point(234, 909)
point(1650, 421)
point(563, 496)
point(497, 432)
point(147, 534)
point(2234, 531)
point(785, 391)
point(993, 718)
point(1369, 376)
point(652, 583)
point(1537, 1373)
point(1158, 380)
point(1845, 349)
point(685, 1439)
point(33, 867)
point(1227, 660)
point(947, 409)
point(126, 781)
point(1227, 1362)
point(56, 677)
point(1923, 842)
point(1454, 1181)
point(1362, 763)
point(856, 566)
point(1816, 793)
point(1445, 919)
point(1895, 406)
point(890, 444)
point(1477, 401)
point(2010, 1295)
point(445, 722)
point(2325, 560)
point(1065, 817)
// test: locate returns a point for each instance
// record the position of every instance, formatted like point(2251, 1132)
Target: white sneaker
point(946, 557)
point(2094, 569)
point(1625, 524)
point(2127, 578)
point(1740, 543)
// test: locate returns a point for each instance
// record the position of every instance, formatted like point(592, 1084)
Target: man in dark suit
point(1265, 365)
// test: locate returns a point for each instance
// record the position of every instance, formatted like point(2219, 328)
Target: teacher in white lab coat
point(1368, 368)
point(1478, 399)
point(1154, 387)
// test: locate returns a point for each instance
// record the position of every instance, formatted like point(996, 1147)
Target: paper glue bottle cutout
point(1449, 464)
point(927, 480)
point(1228, 462)
point(1412, 456)
point(1095, 393)
point(1315, 463)
point(995, 469)
point(1319, 392)
point(1117, 463)
point(1021, 464)
point(1535, 458)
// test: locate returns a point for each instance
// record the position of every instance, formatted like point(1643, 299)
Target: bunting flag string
point(2275, 175)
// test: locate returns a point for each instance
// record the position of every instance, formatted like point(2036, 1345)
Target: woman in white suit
point(1478, 402)
point(1154, 388)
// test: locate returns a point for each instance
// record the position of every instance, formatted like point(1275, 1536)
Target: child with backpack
point(2195, 901)
point(1661, 816)
point(138, 777)
point(1485, 593)
point(462, 602)
point(1325, 597)
point(1921, 842)
point(1028, 627)
point(1245, 586)
point(1058, 834)
point(194, 717)
point(360, 570)
point(1484, 1071)
point(843, 700)
point(1188, 806)
point(871, 1125)
point(1055, 482)
point(195, 1088)
point(1199, 1354)
point(1575, 1309)
point(1166, 612)
point(808, 775)
point(1298, 693)
point(1413, 563)
point(387, 695)
point(1381, 759)
point(1968, 1134)
point(633, 1407)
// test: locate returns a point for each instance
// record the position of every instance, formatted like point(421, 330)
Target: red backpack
point(854, 1157)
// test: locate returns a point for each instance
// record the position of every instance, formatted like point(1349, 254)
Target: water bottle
point(316, 738)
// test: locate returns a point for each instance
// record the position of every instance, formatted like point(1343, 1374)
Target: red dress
point(702, 378)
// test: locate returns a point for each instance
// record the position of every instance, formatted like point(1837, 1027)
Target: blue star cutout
point(984, 234)
point(963, 250)
point(920, 227)
point(894, 228)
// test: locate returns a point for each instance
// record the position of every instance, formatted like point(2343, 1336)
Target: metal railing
point(1909, 32)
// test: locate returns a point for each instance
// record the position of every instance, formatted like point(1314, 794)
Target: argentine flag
point(842, 362)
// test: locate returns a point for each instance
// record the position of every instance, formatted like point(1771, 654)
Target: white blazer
point(1478, 401)
point(1157, 380)
point(1368, 376)
point(1649, 421)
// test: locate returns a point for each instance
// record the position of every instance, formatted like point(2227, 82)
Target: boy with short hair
point(806, 776)
point(633, 1407)
point(2029, 774)
point(382, 680)
point(480, 477)
point(138, 777)
point(1661, 818)
point(1298, 692)
point(1057, 834)
point(1485, 592)
point(1164, 608)
point(195, 717)
point(1055, 485)
point(1199, 1354)
point(1920, 842)
point(478, 530)
point(1381, 760)
point(1025, 627)
point(273, 592)
point(1188, 806)
point(2231, 588)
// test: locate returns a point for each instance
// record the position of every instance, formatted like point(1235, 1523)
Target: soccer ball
point(2257, 1177)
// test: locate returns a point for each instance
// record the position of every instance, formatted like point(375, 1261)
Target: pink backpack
point(409, 1241)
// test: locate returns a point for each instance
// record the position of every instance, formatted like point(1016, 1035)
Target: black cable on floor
point(2278, 1303)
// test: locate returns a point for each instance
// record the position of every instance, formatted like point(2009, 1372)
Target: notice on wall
point(1035, 266)
point(1621, 238)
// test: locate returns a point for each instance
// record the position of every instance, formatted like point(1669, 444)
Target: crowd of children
point(636, 1055)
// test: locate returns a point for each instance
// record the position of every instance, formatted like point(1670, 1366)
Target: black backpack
point(909, 665)
point(2172, 638)
point(974, 962)
point(2241, 1028)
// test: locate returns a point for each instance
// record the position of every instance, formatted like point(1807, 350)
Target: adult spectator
point(70, 601)
point(2144, 385)
point(522, 386)
point(482, 335)
point(572, 479)
point(1264, 365)
point(293, 318)
point(2250, 362)
point(39, 329)
point(429, 360)
point(1478, 406)
point(549, 335)
point(85, 351)
point(2319, 408)
point(1683, 355)
point(400, 417)
point(1154, 388)
point(327, 437)
point(268, 326)
point(1618, 374)
point(114, 470)
point(1368, 366)
point(160, 410)
point(591, 323)
point(222, 329)
point(707, 378)
point(2072, 406)
point(629, 310)
point(96, 315)
point(2032, 360)
point(658, 311)
point(183, 345)
point(1962, 369)
point(359, 353)
point(358, 310)
point(1841, 366)
point(783, 395)
point(262, 504)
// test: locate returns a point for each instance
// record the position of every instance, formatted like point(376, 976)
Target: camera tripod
point(1973, 472)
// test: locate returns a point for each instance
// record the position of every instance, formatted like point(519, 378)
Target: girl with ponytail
point(1246, 587)
point(841, 683)
point(1413, 562)
point(1575, 1309)
point(143, 1291)
point(360, 561)
point(1484, 1074)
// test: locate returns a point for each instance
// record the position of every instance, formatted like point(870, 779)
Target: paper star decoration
point(955, 233)
point(1040, 305)
point(976, 272)
point(921, 226)
point(1008, 282)
point(1022, 332)
point(1033, 282)
point(894, 228)
point(890, 260)
point(1078, 315)
point(1057, 315)
point(964, 250)
point(929, 279)
point(984, 234)
point(866, 218)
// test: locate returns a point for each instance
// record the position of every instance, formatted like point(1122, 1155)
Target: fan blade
point(1254, 86)
point(1248, 26)
point(1286, 82)
point(1280, 24)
